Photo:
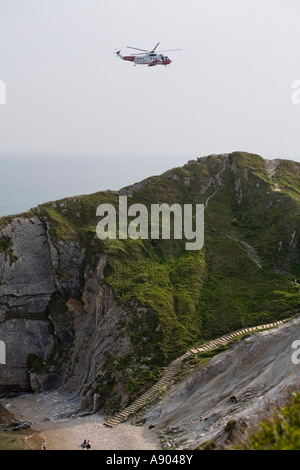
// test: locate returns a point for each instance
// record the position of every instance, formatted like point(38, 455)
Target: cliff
point(101, 318)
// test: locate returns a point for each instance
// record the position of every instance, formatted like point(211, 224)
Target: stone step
point(139, 402)
point(112, 423)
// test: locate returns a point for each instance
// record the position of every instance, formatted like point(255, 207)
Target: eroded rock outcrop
point(220, 402)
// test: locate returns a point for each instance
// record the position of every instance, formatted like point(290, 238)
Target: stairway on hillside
point(174, 368)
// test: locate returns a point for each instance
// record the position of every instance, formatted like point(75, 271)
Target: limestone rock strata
point(26, 275)
point(28, 279)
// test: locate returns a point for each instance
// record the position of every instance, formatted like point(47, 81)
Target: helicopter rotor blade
point(169, 50)
point(151, 52)
point(129, 47)
point(157, 52)
point(155, 47)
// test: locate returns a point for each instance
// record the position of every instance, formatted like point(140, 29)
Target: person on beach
point(84, 443)
point(44, 445)
point(88, 445)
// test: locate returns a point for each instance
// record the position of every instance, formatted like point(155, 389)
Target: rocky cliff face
point(28, 273)
point(55, 337)
point(101, 318)
point(220, 403)
point(22, 337)
point(27, 279)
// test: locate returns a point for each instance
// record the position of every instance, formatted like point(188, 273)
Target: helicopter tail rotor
point(118, 53)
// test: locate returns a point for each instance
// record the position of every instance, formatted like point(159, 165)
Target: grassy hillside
point(202, 294)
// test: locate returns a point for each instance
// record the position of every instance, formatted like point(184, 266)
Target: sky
point(228, 89)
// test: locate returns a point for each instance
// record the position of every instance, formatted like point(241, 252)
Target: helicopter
point(150, 58)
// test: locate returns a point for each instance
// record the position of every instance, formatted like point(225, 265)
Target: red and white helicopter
point(150, 58)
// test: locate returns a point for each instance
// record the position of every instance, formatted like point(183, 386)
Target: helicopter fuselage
point(148, 59)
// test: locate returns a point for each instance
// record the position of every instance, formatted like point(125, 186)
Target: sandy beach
point(47, 412)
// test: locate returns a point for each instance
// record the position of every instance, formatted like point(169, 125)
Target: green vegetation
point(6, 247)
point(282, 432)
point(5, 244)
point(170, 287)
point(288, 178)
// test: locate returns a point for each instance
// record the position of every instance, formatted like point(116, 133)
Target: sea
point(29, 180)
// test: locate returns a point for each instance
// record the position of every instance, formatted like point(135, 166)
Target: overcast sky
point(228, 89)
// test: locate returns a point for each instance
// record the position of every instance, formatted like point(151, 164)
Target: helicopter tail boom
point(126, 57)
